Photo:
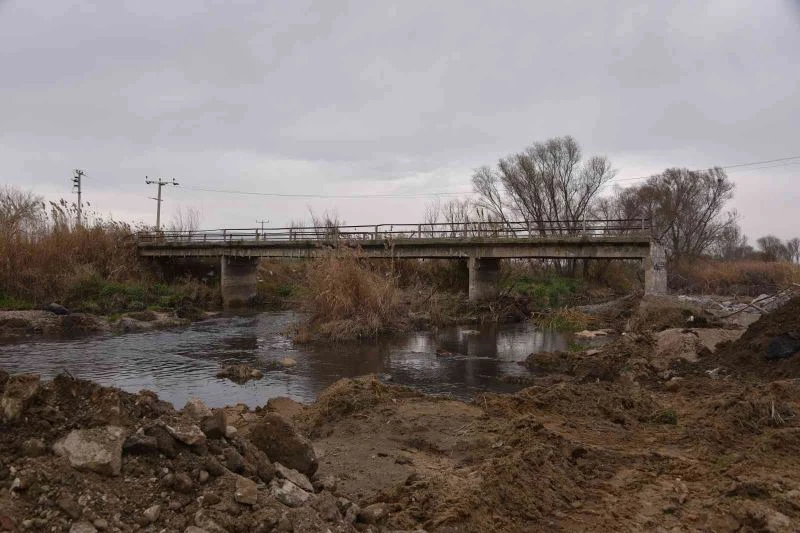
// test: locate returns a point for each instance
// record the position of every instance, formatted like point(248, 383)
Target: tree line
point(552, 181)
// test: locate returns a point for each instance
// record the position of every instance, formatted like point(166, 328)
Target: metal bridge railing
point(442, 230)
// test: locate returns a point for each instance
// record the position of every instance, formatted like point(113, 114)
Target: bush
point(347, 297)
point(746, 277)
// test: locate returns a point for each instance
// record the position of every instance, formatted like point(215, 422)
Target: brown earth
point(629, 438)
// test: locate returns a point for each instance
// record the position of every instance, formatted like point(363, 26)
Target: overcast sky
point(405, 98)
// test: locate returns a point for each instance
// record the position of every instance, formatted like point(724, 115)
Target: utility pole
point(262, 222)
point(76, 187)
point(158, 200)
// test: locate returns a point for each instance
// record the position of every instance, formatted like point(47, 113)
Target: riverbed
point(181, 363)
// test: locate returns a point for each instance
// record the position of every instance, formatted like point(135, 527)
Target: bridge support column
point(484, 278)
point(655, 270)
point(238, 280)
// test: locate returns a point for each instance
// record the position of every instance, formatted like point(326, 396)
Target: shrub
point(347, 297)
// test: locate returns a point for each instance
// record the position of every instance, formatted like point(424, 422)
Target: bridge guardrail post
point(376, 233)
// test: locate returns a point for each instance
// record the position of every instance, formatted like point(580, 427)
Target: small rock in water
point(240, 373)
point(288, 362)
point(57, 309)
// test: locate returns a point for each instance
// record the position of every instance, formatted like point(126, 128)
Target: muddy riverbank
point(652, 432)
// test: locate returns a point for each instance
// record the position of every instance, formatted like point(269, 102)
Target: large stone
point(278, 438)
point(246, 491)
point(96, 450)
point(373, 514)
point(189, 434)
point(294, 476)
point(214, 424)
point(19, 390)
point(139, 443)
point(288, 493)
point(196, 409)
point(152, 513)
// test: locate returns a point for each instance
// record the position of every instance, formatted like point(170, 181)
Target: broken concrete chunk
point(96, 450)
point(19, 390)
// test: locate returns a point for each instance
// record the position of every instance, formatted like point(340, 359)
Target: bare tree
point(186, 220)
point(773, 249)
point(20, 211)
point(731, 244)
point(548, 185)
point(793, 247)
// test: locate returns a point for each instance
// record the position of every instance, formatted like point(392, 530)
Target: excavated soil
point(633, 437)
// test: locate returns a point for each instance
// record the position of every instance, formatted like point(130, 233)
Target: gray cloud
point(347, 97)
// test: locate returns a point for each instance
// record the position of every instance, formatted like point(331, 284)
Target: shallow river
point(179, 364)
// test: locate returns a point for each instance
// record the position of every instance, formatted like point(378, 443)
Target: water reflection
point(180, 364)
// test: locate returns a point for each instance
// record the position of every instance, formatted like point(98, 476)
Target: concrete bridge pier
point(238, 280)
point(484, 278)
point(655, 270)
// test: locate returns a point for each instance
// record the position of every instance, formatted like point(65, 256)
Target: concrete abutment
point(238, 281)
point(655, 270)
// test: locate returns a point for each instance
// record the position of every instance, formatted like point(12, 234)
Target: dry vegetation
point(46, 256)
point(746, 276)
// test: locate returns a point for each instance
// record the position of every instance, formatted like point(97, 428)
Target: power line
point(329, 196)
point(784, 162)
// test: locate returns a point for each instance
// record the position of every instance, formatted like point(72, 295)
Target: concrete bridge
point(482, 245)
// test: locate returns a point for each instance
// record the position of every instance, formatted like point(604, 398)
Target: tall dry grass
point(744, 277)
point(46, 254)
point(348, 297)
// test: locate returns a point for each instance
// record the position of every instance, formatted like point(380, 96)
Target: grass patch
point(547, 291)
point(668, 416)
point(563, 319)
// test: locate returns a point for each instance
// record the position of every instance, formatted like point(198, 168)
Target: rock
point(183, 483)
point(246, 491)
point(206, 523)
point(213, 466)
point(69, 506)
point(258, 462)
point(240, 373)
point(783, 346)
point(189, 434)
point(57, 309)
point(33, 448)
point(196, 409)
point(294, 476)
point(373, 514)
point(96, 450)
point(194, 529)
point(19, 390)
point(101, 524)
point(233, 460)
point(673, 384)
point(202, 477)
point(279, 439)
point(82, 527)
point(166, 443)
point(288, 493)
point(152, 513)
point(138, 443)
point(323, 483)
point(6, 523)
point(214, 424)
point(325, 503)
point(230, 431)
point(287, 362)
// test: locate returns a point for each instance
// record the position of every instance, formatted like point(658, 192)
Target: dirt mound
point(78, 456)
point(657, 313)
point(348, 396)
point(754, 354)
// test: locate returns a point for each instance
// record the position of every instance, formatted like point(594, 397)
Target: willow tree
point(548, 185)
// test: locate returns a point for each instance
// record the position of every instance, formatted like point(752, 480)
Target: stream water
point(179, 364)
